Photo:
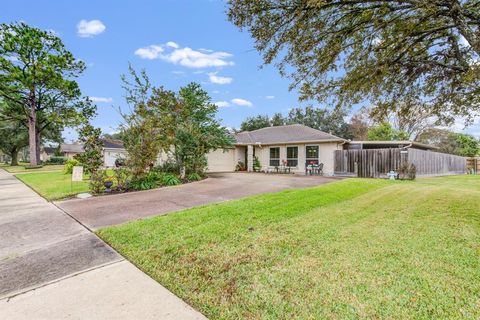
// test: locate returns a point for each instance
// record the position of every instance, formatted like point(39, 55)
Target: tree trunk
point(37, 145)
point(32, 130)
point(14, 156)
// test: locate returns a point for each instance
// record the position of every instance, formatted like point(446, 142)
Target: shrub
point(69, 164)
point(256, 164)
point(168, 166)
point(57, 160)
point(120, 176)
point(407, 171)
point(194, 177)
point(97, 181)
point(241, 166)
point(151, 181)
point(170, 180)
point(38, 166)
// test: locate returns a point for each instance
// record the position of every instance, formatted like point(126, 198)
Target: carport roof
point(295, 133)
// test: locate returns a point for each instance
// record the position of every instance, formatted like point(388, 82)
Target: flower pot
point(108, 185)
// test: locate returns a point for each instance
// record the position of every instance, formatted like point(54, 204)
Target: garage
point(220, 161)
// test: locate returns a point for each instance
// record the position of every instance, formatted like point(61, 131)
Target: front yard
point(53, 185)
point(22, 168)
point(350, 249)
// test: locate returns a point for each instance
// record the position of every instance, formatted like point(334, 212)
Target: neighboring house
point(298, 145)
point(70, 150)
point(46, 153)
point(112, 150)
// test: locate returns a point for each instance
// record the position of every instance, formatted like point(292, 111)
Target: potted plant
point(256, 164)
point(108, 183)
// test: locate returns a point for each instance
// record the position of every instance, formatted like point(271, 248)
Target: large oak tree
point(345, 52)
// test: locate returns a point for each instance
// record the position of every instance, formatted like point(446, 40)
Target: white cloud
point(150, 52)
point(222, 104)
point(242, 102)
point(187, 57)
point(269, 97)
point(178, 72)
point(216, 91)
point(218, 79)
point(172, 44)
point(101, 99)
point(90, 28)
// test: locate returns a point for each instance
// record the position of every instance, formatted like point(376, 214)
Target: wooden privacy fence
point(473, 165)
point(376, 163)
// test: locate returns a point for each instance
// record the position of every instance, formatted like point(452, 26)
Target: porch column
point(249, 158)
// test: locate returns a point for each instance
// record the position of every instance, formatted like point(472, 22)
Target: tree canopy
point(331, 121)
point(371, 50)
point(451, 142)
point(385, 132)
point(37, 82)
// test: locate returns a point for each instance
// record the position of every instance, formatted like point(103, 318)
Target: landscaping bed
point(357, 248)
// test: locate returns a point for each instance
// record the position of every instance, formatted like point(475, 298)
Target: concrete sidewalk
point(51, 267)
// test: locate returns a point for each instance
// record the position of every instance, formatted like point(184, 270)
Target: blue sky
point(175, 41)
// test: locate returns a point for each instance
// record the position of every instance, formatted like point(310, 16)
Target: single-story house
point(297, 145)
point(46, 153)
point(112, 150)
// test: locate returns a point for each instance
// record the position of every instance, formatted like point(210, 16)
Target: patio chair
point(320, 169)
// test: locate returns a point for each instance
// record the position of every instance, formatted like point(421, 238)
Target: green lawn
point(21, 168)
point(53, 185)
point(350, 249)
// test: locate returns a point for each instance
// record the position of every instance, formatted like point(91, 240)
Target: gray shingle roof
point(71, 147)
point(284, 134)
point(78, 147)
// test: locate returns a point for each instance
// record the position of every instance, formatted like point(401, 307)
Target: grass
point(53, 185)
point(346, 250)
point(21, 168)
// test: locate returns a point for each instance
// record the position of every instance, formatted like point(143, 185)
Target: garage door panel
point(220, 161)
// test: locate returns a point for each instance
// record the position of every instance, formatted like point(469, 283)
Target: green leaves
point(347, 52)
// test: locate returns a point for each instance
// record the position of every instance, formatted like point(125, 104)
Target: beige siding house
point(293, 145)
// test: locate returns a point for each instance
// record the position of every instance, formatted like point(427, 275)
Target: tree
point(14, 138)
point(278, 120)
point(359, 125)
point(141, 134)
point(322, 119)
point(451, 142)
point(254, 123)
point(411, 117)
point(192, 120)
point(183, 124)
point(36, 82)
point(468, 145)
point(377, 51)
point(92, 156)
point(385, 132)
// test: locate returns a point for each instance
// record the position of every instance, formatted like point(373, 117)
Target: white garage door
point(219, 161)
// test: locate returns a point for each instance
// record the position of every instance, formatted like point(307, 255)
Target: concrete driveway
point(51, 267)
point(97, 212)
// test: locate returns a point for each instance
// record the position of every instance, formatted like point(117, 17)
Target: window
point(292, 156)
point(311, 154)
point(274, 157)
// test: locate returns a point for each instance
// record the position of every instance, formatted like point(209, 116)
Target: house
point(70, 150)
point(112, 150)
point(297, 145)
point(46, 153)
